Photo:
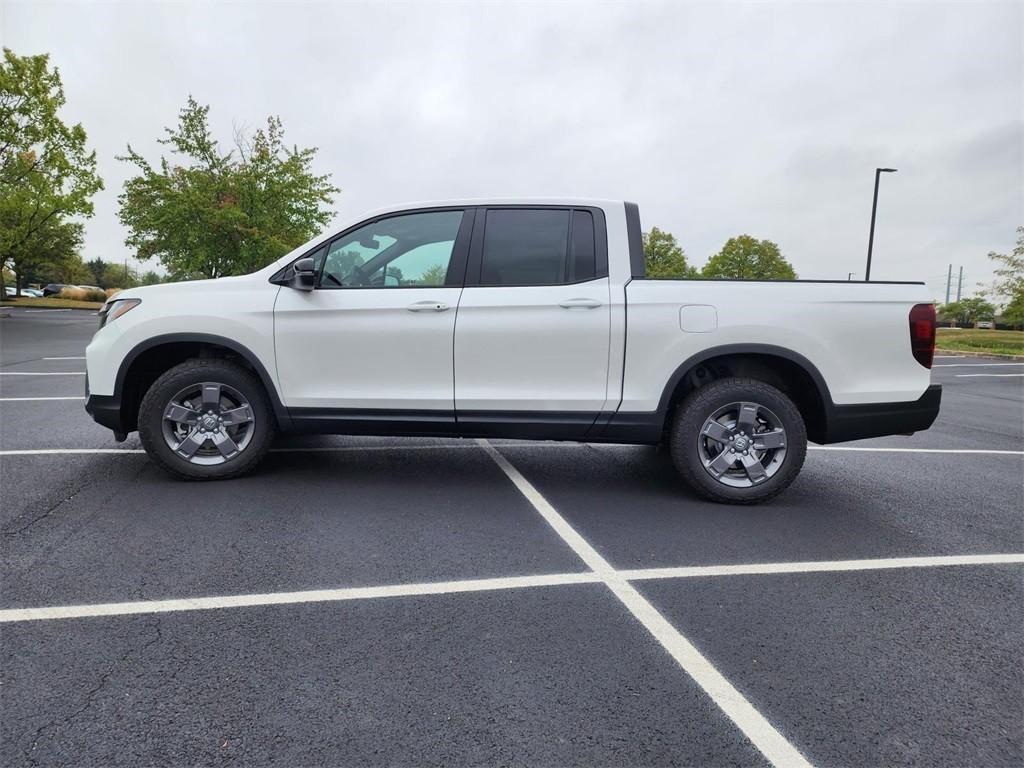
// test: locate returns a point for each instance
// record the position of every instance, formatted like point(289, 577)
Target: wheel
point(206, 420)
point(738, 441)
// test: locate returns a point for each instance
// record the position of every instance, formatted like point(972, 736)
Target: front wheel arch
point(147, 361)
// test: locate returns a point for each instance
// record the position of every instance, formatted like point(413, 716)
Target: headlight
point(114, 309)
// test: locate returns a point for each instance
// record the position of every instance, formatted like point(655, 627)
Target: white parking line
point(91, 610)
point(33, 399)
point(288, 598)
point(826, 566)
point(36, 311)
point(871, 449)
point(63, 358)
point(988, 375)
point(973, 365)
point(42, 373)
point(755, 727)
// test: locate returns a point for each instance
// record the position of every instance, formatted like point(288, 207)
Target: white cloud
point(718, 119)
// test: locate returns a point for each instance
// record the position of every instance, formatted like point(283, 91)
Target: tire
point(719, 469)
point(228, 444)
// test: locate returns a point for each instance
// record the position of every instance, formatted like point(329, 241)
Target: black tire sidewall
point(191, 372)
point(701, 403)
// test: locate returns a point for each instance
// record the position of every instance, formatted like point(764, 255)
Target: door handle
point(579, 304)
point(427, 306)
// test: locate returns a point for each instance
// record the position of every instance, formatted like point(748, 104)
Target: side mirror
point(303, 275)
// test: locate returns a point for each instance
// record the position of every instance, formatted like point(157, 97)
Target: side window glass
point(525, 247)
point(407, 251)
point(582, 255)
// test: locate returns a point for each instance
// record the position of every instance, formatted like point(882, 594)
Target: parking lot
point(420, 601)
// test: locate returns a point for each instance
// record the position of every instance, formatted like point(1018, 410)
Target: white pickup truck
point(512, 319)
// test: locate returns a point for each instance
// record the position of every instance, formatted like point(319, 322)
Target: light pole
point(874, 208)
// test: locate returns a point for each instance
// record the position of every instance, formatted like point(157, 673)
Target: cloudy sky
point(718, 119)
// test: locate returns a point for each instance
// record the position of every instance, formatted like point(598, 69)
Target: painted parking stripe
point(762, 734)
point(37, 311)
point(872, 449)
point(42, 373)
point(988, 375)
point(974, 365)
point(63, 358)
point(91, 610)
point(463, 446)
point(834, 566)
point(33, 399)
point(291, 598)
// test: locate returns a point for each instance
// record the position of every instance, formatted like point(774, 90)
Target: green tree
point(434, 275)
point(49, 253)
point(151, 278)
point(46, 173)
point(97, 267)
point(223, 213)
point(663, 256)
point(1013, 312)
point(1009, 282)
point(967, 311)
point(745, 257)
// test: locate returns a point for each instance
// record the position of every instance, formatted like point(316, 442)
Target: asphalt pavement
point(382, 601)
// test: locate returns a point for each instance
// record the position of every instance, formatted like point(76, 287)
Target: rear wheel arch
point(150, 359)
point(788, 371)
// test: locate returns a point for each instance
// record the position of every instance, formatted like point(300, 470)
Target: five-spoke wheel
point(206, 419)
point(208, 423)
point(742, 444)
point(738, 440)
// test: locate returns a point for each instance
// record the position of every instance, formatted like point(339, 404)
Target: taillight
point(922, 333)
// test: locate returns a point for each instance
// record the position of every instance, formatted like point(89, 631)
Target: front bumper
point(856, 422)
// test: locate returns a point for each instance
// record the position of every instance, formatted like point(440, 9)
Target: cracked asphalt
point(896, 666)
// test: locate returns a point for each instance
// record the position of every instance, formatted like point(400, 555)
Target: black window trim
point(475, 266)
point(454, 278)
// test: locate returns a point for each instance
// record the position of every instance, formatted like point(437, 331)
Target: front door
point(376, 333)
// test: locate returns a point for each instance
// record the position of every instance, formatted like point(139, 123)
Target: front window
point(408, 251)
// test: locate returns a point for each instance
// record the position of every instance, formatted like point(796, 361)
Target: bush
point(81, 294)
point(113, 291)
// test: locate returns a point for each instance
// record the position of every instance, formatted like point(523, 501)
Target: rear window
point(538, 247)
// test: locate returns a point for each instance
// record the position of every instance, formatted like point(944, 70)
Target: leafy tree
point(1009, 282)
point(108, 274)
point(434, 275)
point(223, 213)
point(51, 250)
point(1013, 312)
point(745, 257)
point(967, 311)
point(46, 172)
point(663, 256)
point(97, 267)
point(151, 278)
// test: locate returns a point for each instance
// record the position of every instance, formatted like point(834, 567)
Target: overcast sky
point(718, 119)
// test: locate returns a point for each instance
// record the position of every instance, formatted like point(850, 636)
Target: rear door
point(532, 332)
point(376, 334)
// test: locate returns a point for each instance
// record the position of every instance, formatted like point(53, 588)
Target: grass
point(49, 303)
point(974, 340)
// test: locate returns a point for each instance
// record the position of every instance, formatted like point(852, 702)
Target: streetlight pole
point(874, 209)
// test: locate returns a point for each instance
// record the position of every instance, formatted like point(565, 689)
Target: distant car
point(985, 324)
point(33, 292)
point(53, 289)
point(10, 292)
